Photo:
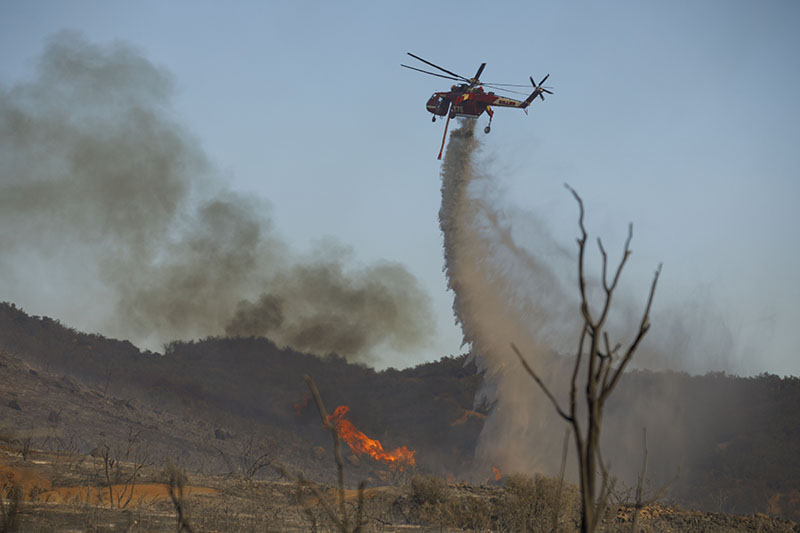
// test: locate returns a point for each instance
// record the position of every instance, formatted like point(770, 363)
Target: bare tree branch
point(581, 249)
point(643, 327)
point(340, 519)
point(605, 263)
point(337, 447)
point(602, 371)
point(574, 382)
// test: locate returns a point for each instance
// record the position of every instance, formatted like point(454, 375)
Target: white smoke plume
point(114, 221)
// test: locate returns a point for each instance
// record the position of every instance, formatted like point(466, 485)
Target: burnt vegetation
point(201, 402)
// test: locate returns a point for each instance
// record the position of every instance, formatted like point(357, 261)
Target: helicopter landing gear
point(487, 129)
point(433, 118)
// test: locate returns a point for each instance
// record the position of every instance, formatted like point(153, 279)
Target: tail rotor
point(539, 89)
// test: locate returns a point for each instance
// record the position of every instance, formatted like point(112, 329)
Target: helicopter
point(468, 98)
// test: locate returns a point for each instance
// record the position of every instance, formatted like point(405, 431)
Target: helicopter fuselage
point(468, 99)
point(468, 102)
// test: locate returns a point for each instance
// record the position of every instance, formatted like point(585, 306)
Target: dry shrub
point(525, 504)
point(430, 490)
point(538, 504)
point(470, 513)
point(429, 497)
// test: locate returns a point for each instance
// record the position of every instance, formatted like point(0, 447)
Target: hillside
point(211, 403)
point(238, 387)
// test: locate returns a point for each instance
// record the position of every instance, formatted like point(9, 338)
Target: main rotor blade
point(432, 73)
point(506, 84)
point(480, 70)
point(437, 66)
point(503, 89)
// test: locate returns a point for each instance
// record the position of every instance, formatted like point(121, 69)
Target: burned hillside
point(740, 435)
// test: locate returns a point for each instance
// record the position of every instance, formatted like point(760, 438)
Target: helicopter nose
point(432, 104)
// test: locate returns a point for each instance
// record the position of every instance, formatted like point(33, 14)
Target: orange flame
point(397, 459)
point(497, 474)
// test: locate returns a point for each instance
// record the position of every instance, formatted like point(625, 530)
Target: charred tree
point(603, 367)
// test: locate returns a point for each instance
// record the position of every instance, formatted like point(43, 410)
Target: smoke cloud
point(504, 293)
point(114, 221)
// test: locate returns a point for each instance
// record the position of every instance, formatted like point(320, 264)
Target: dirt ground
point(45, 491)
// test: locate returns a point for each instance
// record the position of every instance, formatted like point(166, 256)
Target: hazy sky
point(681, 117)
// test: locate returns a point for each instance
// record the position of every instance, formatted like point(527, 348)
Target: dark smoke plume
point(113, 221)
